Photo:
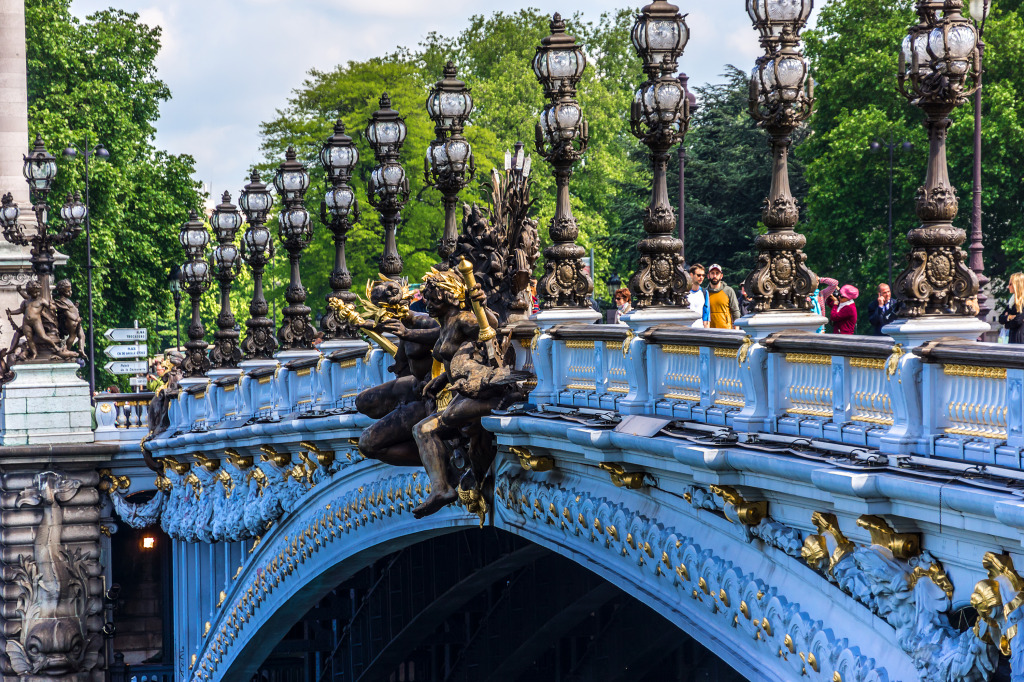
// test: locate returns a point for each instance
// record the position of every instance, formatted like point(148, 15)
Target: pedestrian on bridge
point(842, 310)
point(725, 307)
point(1012, 318)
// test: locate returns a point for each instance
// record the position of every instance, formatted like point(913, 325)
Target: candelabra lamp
point(781, 98)
point(938, 70)
point(38, 337)
point(449, 166)
point(389, 187)
point(340, 211)
point(562, 138)
point(226, 262)
point(257, 250)
point(295, 228)
point(659, 117)
point(195, 274)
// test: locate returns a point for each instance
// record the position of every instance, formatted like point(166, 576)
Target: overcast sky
point(231, 63)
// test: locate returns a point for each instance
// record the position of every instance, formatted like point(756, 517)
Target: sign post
point(131, 346)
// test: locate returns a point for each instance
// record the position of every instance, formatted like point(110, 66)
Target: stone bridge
point(801, 505)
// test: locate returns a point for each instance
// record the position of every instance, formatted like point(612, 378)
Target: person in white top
point(699, 297)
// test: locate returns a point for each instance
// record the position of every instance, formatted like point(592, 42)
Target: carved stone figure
point(36, 315)
point(55, 604)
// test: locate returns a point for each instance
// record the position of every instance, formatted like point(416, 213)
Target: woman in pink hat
point(842, 310)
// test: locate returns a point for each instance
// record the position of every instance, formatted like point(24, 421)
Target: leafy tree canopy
point(95, 80)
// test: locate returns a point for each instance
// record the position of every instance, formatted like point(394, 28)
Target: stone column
point(14, 265)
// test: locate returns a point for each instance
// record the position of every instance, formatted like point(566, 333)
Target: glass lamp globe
point(195, 272)
point(73, 211)
point(292, 179)
point(225, 257)
point(225, 219)
point(458, 152)
point(193, 237)
point(40, 167)
point(952, 46)
point(449, 103)
point(659, 32)
point(386, 130)
point(340, 201)
point(772, 16)
point(257, 240)
point(255, 199)
point(339, 155)
point(294, 223)
point(559, 60)
point(9, 212)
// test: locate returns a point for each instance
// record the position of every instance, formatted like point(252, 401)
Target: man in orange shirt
point(725, 308)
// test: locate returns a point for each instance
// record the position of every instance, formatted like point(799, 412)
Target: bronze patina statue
point(397, 404)
point(452, 372)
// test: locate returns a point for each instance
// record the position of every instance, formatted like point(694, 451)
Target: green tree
point(97, 79)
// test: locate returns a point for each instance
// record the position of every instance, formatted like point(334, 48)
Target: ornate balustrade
point(122, 416)
point(693, 374)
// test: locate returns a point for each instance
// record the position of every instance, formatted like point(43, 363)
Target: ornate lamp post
point(659, 117)
point(389, 188)
point(979, 13)
point(781, 98)
point(195, 274)
point(40, 168)
point(562, 138)
point(99, 152)
point(295, 230)
point(939, 67)
point(340, 211)
point(257, 250)
point(449, 105)
point(226, 261)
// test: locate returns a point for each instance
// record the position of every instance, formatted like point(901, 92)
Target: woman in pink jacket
point(843, 311)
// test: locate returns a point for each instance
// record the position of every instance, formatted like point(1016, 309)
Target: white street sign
point(126, 335)
point(138, 367)
point(136, 350)
point(137, 381)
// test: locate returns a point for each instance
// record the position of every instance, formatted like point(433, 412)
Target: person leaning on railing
point(1012, 318)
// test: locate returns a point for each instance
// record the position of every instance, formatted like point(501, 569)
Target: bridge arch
point(753, 605)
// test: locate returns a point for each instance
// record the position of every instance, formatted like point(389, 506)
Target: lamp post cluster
point(449, 156)
point(781, 98)
point(938, 70)
point(39, 325)
point(562, 136)
point(659, 117)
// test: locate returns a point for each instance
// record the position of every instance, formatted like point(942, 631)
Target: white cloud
point(231, 63)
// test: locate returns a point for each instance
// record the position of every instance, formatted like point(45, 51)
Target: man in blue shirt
point(699, 297)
